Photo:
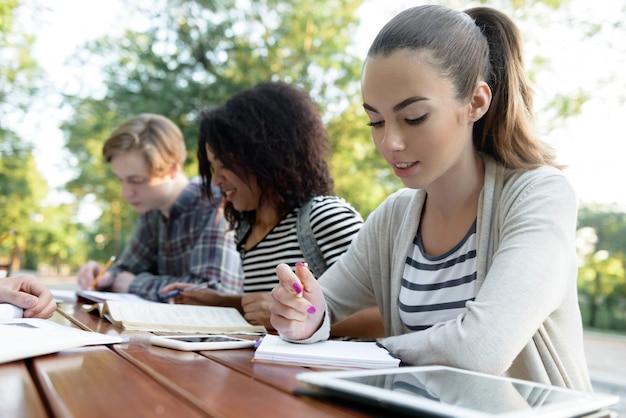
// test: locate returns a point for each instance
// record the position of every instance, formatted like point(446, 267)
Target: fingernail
point(301, 264)
point(311, 309)
point(297, 287)
point(30, 301)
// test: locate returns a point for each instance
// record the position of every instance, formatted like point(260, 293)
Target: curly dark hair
point(273, 131)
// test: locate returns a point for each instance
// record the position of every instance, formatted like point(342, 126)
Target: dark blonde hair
point(156, 137)
point(478, 44)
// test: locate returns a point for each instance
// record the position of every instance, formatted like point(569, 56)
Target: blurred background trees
point(182, 56)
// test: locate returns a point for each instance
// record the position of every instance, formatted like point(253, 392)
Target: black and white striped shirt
point(436, 289)
point(334, 223)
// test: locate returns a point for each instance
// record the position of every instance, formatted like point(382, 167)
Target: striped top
point(334, 224)
point(436, 289)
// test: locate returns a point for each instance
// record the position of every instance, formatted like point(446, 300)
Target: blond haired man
point(181, 235)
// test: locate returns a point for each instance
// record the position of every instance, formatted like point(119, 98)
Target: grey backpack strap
point(241, 233)
point(312, 253)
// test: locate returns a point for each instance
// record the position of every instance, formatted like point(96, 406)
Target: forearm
point(229, 301)
point(209, 297)
point(149, 286)
point(364, 324)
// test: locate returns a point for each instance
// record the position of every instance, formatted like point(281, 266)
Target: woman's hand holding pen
point(298, 307)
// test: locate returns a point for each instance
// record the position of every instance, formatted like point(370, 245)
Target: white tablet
point(449, 392)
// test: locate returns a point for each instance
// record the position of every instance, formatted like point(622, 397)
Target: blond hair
point(158, 139)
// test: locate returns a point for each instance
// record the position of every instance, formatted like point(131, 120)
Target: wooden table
point(136, 379)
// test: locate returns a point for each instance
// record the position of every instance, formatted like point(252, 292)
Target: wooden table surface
point(137, 379)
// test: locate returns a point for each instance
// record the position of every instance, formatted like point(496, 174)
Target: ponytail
point(506, 131)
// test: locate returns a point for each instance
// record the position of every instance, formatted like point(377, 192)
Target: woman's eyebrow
point(404, 103)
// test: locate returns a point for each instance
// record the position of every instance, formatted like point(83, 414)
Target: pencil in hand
point(298, 286)
point(7, 235)
point(104, 269)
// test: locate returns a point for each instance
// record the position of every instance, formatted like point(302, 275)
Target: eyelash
point(417, 121)
point(414, 122)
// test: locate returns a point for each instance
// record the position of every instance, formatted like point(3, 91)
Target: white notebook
point(331, 354)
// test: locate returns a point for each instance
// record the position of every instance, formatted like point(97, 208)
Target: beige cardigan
point(525, 321)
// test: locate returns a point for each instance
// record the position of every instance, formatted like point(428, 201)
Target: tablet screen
point(447, 391)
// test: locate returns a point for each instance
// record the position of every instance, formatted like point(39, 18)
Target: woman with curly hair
point(266, 148)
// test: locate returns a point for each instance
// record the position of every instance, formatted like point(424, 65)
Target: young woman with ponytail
point(473, 264)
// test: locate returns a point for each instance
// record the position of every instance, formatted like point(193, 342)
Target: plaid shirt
point(193, 245)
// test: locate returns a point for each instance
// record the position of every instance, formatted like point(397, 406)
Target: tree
point(18, 69)
point(21, 190)
point(602, 272)
point(45, 234)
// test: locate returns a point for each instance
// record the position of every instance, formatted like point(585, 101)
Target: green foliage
point(18, 69)
point(602, 272)
point(361, 175)
point(45, 234)
point(195, 55)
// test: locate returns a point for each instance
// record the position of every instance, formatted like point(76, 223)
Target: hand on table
point(27, 293)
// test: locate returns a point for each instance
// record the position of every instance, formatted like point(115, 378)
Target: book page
point(155, 316)
point(93, 308)
point(29, 337)
point(99, 296)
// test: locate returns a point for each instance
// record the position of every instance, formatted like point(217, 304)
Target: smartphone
point(200, 342)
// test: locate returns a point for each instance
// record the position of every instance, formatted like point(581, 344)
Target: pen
point(104, 269)
point(258, 343)
point(8, 234)
point(178, 291)
point(298, 286)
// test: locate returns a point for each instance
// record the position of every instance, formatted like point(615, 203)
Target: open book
point(29, 337)
point(332, 354)
point(166, 317)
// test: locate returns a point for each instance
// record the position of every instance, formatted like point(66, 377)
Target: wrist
point(122, 281)
point(231, 301)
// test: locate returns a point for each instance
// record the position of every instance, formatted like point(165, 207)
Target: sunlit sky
point(590, 144)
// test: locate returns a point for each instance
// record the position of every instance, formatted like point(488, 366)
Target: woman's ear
point(480, 101)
